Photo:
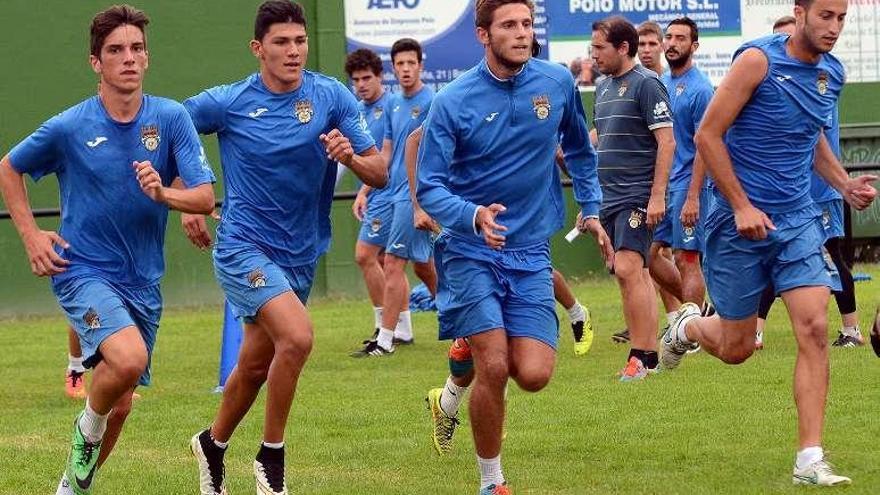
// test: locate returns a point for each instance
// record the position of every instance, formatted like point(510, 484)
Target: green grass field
point(360, 426)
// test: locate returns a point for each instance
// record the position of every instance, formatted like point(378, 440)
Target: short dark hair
point(803, 3)
point(107, 20)
point(784, 21)
point(485, 10)
point(277, 12)
point(406, 45)
point(619, 30)
point(363, 59)
point(687, 21)
point(650, 27)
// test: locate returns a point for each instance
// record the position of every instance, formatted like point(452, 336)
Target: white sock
point(279, 445)
point(92, 425)
point(490, 471)
point(220, 444)
point(808, 456)
point(576, 313)
point(682, 335)
point(386, 338)
point(75, 364)
point(403, 330)
point(670, 317)
point(854, 332)
point(377, 313)
point(451, 397)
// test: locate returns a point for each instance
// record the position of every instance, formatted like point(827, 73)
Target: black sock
point(648, 358)
point(268, 455)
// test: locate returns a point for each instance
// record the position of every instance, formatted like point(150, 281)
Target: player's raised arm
point(746, 73)
point(351, 145)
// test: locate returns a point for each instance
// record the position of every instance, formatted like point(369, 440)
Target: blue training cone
point(232, 335)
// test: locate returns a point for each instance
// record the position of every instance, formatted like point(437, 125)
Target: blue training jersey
point(772, 142)
point(490, 141)
point(403, 115)
point(114, 230)
point(819, 189)
point(689, 95)
point(274, 164)
point(373, 115)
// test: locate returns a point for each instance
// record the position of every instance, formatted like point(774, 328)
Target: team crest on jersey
point(826, 217)
point(256, 278)
point(822, 82)
point(622, 89)
point(688, 231)
point(415, 112)
point(375, 225)
point(541, 105)
point(679, 89)
point(150, 137)
point(635, 219)
point(303, 111)
point(377, 113)
point(91, 319)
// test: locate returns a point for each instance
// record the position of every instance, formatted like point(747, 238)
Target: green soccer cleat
point(444, 425)
point(82, 462)
point(583, 334)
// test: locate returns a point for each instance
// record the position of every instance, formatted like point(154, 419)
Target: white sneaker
point(270, 479)
point(759, 341)
point(673, 348)
point(64, 486)
point(818, 473)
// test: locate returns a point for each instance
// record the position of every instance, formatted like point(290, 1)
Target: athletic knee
point(395, 268)
point(493, 370)
point(533, 379)
point(737, 354)
point(296, 346)
point(364, 258)
point(628, 271)
point(130, 369)
point(813, 331)
point(254, 374)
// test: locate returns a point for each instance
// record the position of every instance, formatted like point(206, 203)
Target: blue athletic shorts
point(832, 218)
point(404, 239)
point(628, 230)
point(250, 279)
point(738, 269)
point(376, 224)
point(671, 232)
point(98, 308)
point(480, 289)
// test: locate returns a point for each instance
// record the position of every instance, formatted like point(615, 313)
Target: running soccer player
point(831, 204)
point(486, 173)
point(277, 131)
point(633, 121)
point(765, 227)
point(116, 155)
point(372, 207)
point(405, 112)
point(689, 93)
